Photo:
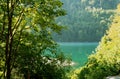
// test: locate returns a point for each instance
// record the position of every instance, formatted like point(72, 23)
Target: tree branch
point(18, 22)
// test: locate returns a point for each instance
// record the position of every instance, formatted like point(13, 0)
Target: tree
point(86, 20)
point(25, 32)
point(106, 60)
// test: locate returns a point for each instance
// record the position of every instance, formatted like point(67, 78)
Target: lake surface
point(79, 52)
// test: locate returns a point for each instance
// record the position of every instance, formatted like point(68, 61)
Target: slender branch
point(18, 22)
point(14, 30)
point(17, 46)
point(7, 39)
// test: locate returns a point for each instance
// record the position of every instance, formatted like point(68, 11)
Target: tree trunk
point(8, 70)
point(9, 39)
point(28, 75)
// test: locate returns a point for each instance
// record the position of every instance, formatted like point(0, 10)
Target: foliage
point(25, 38)
point(73, 74)
point(109, 4)
point(106, 60)
point(87, 20)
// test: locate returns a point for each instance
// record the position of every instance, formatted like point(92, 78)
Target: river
point(78, 52)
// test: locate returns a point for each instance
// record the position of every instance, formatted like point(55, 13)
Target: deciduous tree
point(25, 33)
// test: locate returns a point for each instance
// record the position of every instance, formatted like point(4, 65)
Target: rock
point(113, 77)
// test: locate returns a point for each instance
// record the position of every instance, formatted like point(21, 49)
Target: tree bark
point(9, 39)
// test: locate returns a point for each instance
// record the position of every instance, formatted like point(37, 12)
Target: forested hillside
point(106, 61)
point(86, 20)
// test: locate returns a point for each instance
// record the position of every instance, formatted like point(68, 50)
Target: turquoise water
point(79, 52)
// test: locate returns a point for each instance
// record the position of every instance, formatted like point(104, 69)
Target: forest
point(86, 20)
point(31, 29)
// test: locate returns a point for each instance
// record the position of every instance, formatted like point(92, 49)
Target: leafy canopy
point(26, 44)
